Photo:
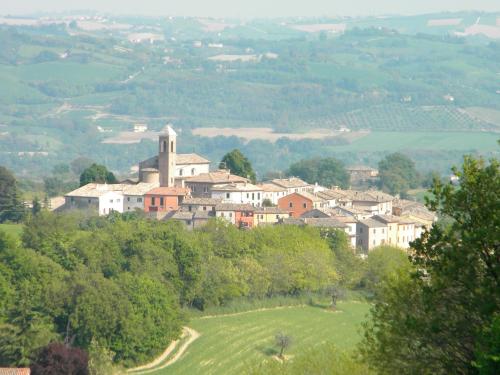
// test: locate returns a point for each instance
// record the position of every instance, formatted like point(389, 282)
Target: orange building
point(164, 199)
point(298, 203)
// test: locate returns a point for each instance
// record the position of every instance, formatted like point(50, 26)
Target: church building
point(169, 168)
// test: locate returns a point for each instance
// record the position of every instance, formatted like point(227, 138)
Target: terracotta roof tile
point(15, 371)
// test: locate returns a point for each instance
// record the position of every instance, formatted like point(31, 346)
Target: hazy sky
point(249, 8)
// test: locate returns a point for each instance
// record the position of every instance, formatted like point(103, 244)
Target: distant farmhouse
point(182, 187)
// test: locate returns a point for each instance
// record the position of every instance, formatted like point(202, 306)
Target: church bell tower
point(166, 157)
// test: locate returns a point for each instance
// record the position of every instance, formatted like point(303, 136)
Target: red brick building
point(298, 203)
point(164, 199)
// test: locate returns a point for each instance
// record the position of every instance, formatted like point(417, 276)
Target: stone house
point(371, 233)
point(192, 204)
point(293, 185)
point(201, 185)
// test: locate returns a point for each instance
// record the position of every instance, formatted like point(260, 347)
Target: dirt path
point(153, 366)
point(250, 311)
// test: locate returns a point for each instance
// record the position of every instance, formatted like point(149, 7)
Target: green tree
point(36, 206)
point(97, 173)
point(11, 207)
point(382, 263)
point(397, 174)
point(238, 164)
point(349, 267)
point(283, 342)
point(327, 172)
point(441, 318)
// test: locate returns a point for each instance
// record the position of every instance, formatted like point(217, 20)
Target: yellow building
point(269, 216)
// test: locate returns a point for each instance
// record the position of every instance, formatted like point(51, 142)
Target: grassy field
point(231, 343)
point(397, 141)
point(12, 229)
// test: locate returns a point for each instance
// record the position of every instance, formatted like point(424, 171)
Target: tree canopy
point(327, 172)
point(121, 281)
point(397, 174)
point(11, 207)
point(238, 164)
point(97, 173)
point(443, 317)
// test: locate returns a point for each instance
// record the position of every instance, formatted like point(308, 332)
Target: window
point(253, 196)
point(360, 230)
point(383, 230)
point(181, 172)
point(290, 204)
point(205, 189)
point(258, 196)
point(72, 200)
point(139, 200)
point(189, 208)
point(204, 208)
point(164, 146)
point(111, 201)
point(89, 200)
point(228, 195)
point(222, 214)
point(172, 146)
point(193, 171)
point(248, 195)
point(304, 205)
point(161, 201)
point(153, 201)
point(230, 214)
point(374, 231)
point(277, 216)
point(128, 199)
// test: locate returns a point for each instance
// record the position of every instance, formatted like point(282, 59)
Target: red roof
point(169, 191)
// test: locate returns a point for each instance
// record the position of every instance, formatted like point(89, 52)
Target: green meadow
point(230, 344)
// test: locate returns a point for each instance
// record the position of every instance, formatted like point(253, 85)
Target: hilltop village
point(182, 187)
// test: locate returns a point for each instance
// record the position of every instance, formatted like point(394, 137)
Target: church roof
point(190, 159)
point(217, 177)
point(180, 159)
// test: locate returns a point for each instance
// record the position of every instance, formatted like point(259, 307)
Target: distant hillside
point(70, 83)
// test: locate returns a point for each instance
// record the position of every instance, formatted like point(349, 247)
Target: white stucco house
point(103, 198)
point(239, 193)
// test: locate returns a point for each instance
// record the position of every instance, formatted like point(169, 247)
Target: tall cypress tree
point(11, 207)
